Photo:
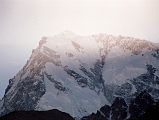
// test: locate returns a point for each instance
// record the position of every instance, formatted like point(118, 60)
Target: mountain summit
point(80, 74)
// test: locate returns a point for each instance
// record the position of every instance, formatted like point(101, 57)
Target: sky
point(24, 22)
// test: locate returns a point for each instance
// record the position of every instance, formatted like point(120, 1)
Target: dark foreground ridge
point(152, 113)
point(143, 107)
point(37, 115)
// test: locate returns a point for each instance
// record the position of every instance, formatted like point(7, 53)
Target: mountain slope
point(79, 74)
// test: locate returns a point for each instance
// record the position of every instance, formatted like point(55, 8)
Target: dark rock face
point(156, 54)
point(37, 115)
point(151, 113)
point(82, 81)
point(102, 114)
point(119, 109)
point(124, 90)
point(147, 82)
point(143, 107)
point(58, 85)
point(140, 104)
point(106, 111)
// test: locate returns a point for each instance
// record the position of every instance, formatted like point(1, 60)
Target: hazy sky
point(24, 22)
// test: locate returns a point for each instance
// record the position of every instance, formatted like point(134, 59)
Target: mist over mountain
point(79, 74)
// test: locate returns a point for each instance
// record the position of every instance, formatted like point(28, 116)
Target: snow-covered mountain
point(80, 74)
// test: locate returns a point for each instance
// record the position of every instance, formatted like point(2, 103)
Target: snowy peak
point(68, 33)
point(68, 39)
point(80, 74)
